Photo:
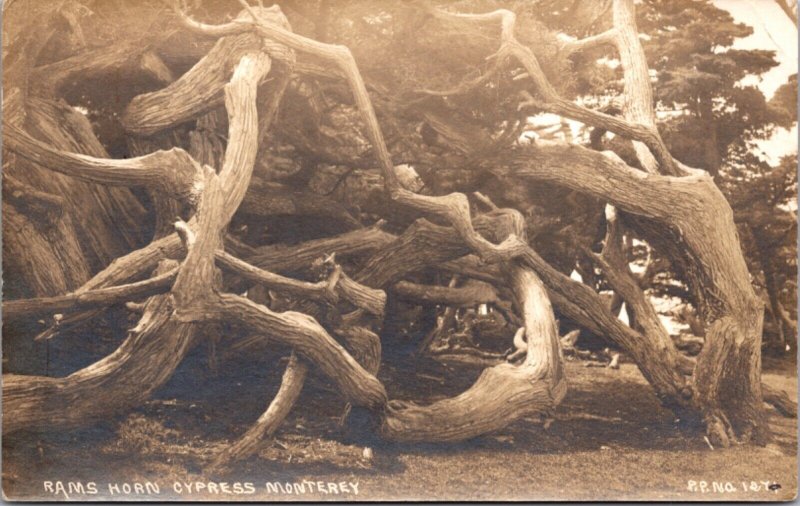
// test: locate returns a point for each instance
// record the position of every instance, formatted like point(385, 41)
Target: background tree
point(709, 120)
point(712, 121)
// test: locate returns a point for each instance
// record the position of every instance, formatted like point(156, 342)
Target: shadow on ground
point(610, 439)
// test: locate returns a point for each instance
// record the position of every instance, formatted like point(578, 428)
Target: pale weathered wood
point(173, 172)
point(266, 425)
point(14, 310)
point(503, 393)
point(122, 380)
point(725, 388)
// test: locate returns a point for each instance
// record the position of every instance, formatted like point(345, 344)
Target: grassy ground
point(610, 440)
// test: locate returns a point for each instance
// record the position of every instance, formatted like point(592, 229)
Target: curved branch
point(308, 338)
point(645, 319)
point(222, 192)
point(122, 380)
point(103, 297)
point(338, 285)
point(194, 93)
point(174, 171)
point(424, 244)
point(637, 92)
point(291, 384)
point(502, 393)
point(609, 37)
point(552, 102)
point(283, 258)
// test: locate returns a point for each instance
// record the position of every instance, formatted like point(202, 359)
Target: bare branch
point(609, 37)
point(552, 102)
point(291, 384)
point(174, 172)
point(338, 285)
point(780, 400)
point(468, 296)
point(309, 339)
point(194, 93)
point(14, 310)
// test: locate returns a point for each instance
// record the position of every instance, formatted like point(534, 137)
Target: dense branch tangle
point(252, 44)
point(640, 125)
point(543, 362)
point(725, 386)
point(196, 295)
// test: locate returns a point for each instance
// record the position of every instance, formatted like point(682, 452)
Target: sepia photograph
point(399, 250)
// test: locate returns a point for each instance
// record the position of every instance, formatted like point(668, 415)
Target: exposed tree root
point(249, 443)
point(503, 393)
point(780, 400)
point(124, 379)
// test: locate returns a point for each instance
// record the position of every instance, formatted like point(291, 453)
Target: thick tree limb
point(645, 320)
point(223, 192)
point(638, 93)
point(173, 172)
point(322, 291)
point(14, 310)
point(283, 258)
point(104, 221)
point(468, 296)
point(780, 400)
point(122, 380)
point(309, 339)
point(291, 384)
point(424, 244)
point(471, 266)
point(697, 212)
point(609, 37)
point(502, 393)
point(42, 236)
point(194, 93)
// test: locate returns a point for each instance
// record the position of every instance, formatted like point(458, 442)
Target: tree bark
point(726, 382)
point(124, 379)
point(503, 393)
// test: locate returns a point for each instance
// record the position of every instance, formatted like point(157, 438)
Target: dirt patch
point(610, 439)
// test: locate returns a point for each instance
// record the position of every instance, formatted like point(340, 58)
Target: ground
point(609, 440)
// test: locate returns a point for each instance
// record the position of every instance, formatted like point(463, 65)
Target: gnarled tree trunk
point(202, 269)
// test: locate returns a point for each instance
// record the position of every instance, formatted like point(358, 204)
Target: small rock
point(366, 454)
